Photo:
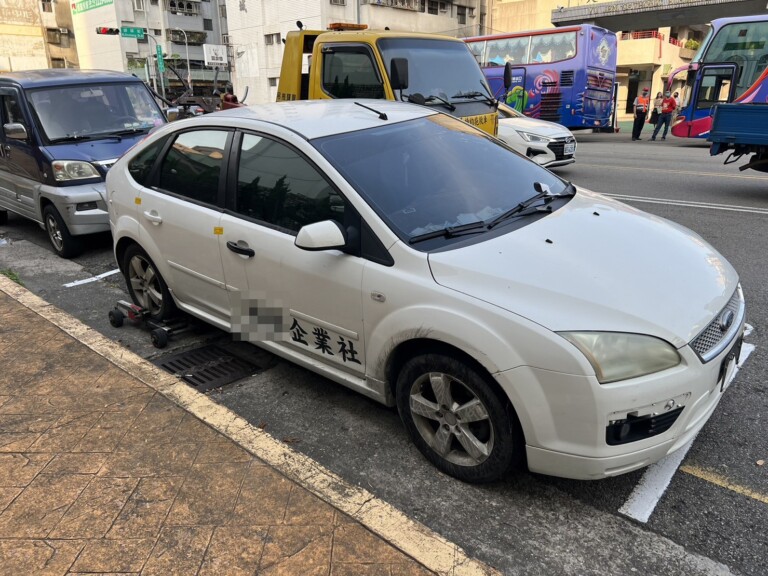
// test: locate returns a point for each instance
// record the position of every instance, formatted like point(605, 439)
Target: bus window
point(553, 47)
point(505, 50)
point(743, 43)
point(715, 87)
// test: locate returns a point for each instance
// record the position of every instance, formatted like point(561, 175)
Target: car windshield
point(437, 68)
point(433, 173)
point(94, 111)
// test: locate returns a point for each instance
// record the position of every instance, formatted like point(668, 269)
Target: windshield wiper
point(449, 232)
point(72, 138)
point(419, 98)
point(542, 191)
point(473, 95)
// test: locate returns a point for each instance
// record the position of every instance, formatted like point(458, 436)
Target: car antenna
point(382, 116)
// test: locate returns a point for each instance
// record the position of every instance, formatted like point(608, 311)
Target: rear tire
point(457, 420)
point(64, 244)
point(146, 286)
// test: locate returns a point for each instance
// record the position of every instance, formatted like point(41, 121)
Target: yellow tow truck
point(349, 61)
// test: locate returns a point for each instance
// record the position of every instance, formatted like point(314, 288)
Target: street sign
point(132, 32)
point(160, 61)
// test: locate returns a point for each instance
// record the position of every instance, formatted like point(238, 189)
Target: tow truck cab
point(349, 61)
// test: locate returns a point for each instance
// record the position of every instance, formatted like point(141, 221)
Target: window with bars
point(339, 2)
point(432, 7)
point(270, 39)
point(207, 24)
point(273, 81)
point(138, 5)
point(47, 6)
point(461, 14)
point(53, 35)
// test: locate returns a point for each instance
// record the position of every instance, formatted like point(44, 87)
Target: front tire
point(65, 245)
point(457, 420)
point(146, 286)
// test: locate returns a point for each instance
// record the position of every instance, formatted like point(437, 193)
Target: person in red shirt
point(668, 106)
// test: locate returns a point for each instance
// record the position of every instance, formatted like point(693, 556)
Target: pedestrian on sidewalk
point(656, 110)
point(641, 111)
point(668, 106)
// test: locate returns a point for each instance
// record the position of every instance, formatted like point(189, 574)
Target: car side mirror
point(15, 131)
point(171, 114)
point(507, 76)
point(325, 235)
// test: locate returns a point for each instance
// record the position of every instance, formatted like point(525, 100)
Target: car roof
point(318, 118)
point(65, 76)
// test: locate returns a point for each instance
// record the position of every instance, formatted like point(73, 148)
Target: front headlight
point(619, 356)
point(65, 170)
point(530, 137)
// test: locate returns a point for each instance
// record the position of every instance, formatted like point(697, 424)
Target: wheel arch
point(408, 349)
point(121, 246)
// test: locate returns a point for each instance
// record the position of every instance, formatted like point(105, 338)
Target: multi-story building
point(177, 28)
point(645, 57)
point(36, 34)
point(256, 30)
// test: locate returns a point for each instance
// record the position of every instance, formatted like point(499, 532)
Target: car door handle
point(241, 250)
point(154, 218)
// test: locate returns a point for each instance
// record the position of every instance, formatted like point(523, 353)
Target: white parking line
point(643, 499)
point(92, 279)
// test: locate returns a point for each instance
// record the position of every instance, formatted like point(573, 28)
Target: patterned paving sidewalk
point(99, 473)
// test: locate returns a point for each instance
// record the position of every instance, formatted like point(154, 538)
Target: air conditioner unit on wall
point(64, 31)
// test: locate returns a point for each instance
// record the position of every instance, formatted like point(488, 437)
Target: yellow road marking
point(718, 480)
point(686, 172)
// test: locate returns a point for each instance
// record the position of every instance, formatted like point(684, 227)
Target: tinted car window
point(193, 166)
point(277, 186)
point(142, 163)
point(429, 173)
point(12, 110)
point(349, 72)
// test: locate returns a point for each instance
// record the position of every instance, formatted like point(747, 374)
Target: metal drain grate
point(209, 367)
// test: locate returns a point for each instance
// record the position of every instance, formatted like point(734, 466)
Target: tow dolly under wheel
point(160, 331)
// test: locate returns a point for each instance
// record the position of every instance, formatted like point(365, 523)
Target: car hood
point(93, 150)
point(540, 127)
point(596, 264)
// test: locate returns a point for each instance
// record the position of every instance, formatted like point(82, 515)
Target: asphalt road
point(709, 519)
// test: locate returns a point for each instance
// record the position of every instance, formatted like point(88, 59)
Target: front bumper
point(553, 154)
point(67, 199)
point(565, 417)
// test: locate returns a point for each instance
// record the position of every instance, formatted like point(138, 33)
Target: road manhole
point(210, 366)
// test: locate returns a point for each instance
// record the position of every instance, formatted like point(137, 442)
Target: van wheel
point(457, 420)
point(65, 245)
point(145, 284)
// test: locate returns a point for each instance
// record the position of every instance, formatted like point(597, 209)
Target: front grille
point(558, 147)
point(713, 339)
point(106, 164)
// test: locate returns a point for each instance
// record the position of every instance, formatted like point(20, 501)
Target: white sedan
point(546, 143)
point(511, 317)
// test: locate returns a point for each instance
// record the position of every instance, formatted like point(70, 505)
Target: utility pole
point(189, 71)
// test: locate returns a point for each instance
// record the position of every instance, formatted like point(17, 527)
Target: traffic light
point(105, 30)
